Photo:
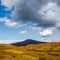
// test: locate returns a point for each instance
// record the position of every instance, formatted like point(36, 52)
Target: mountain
point(27, 42)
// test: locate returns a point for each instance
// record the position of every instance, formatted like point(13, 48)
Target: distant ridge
point(27, 42)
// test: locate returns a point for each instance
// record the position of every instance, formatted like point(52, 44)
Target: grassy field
point(47, 51)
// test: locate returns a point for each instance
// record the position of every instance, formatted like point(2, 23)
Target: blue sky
point(38, 20)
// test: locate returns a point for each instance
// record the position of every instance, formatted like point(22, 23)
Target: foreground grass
point(49, 51)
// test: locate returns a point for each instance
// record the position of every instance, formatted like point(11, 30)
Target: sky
point(29, 19)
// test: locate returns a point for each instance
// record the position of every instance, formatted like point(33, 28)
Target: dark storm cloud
point(57, 1)
point(27, 11)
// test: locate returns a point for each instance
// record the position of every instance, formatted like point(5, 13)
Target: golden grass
point(47, 51)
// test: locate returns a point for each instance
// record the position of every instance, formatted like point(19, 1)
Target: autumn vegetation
point(46, 51)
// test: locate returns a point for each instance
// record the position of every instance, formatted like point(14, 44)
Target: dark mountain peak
point(30, 40)
point(27, 42)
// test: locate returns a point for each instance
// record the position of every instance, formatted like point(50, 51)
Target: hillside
point(27, 42)
point(47, 51)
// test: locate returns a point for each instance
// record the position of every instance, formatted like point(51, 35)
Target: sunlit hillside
point(46, 51)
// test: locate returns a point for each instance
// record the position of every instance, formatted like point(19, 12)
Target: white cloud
point(9, 4)
point(10, 23)
point(10, 41)
point(46, 32)
point(51, 12)
point(3, 19)
point(23, 32)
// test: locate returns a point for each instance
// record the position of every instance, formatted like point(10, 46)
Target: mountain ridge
point(27, 42)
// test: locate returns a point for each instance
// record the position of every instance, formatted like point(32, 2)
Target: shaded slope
point(27, 42)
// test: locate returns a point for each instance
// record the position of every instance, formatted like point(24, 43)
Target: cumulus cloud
point(23, 32)
point(34, 10)
point(8, 3)
point(10, 23)
point(27, 11)
point(46, 32)
point(45, 13)
point(51, 12)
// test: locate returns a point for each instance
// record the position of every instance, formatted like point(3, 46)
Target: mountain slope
point(27, 42)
